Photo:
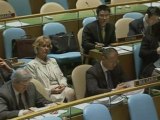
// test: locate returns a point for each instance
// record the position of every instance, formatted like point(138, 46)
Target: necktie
point(21, 105)
point(109, 80)
point(103, 34)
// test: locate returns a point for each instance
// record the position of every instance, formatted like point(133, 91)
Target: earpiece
point(35, 50)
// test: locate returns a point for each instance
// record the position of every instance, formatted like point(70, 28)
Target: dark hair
point(102, 7)
point(106, 52)
point(153, 11)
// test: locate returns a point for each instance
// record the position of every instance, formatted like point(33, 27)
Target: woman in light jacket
point(47, 71)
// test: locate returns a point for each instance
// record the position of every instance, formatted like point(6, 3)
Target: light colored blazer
point(48, 73)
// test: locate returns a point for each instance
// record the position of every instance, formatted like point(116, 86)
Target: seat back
point(79, 37)
point(137, 59)
point(79, 80)
point(141, 107)
point(53, 28)
point(87, 3)
point(6, 8)
point(122, 27)
point(8, 36)
point(22, 7)
point(40, 88)
point(88, 20)
point(96, 112)
point(64, 3)
point(134, 15)
point(51, 7)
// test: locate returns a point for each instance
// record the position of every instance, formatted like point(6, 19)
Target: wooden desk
point(126, 61)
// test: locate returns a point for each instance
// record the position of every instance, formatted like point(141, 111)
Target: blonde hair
point(40, 41)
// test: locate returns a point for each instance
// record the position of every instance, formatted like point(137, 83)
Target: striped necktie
point(109, 80)
point(21, 105)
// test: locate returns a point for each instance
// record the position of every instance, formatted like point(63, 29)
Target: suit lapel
point(101, 75)
point(14, 100)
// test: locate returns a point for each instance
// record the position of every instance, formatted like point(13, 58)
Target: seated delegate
point(139, 26)
point(18, 95)
point(105, 75)
point(150, 51)
point(47, 71)
point(99, 33)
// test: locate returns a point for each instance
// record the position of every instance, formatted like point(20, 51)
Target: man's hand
point(27, 111)
point(4, 65)
point(121, 86)
point(98, 45)
point(58, 89)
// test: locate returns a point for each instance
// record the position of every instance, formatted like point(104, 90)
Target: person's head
point(20, 79)
point(152, 15)
point(109, 58)
point(103, 14)
point(42, 46)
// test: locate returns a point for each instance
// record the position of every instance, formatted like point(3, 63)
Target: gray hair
point(21, 75)
point(107, 52)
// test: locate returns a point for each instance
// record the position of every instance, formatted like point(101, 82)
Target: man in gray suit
point(18, 95)
point(105, 75)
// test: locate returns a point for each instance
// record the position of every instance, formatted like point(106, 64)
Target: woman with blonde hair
point(47, 71)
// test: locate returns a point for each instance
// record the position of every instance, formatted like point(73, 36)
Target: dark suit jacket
point(136, 27)
point(148, 50)
point(92, 33)
point(96, 82)
point(4, 77)
point(8, 103)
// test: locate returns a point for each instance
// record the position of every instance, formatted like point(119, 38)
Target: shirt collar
point(41, 61)
point(103, 68)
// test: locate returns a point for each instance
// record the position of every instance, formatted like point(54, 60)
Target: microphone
point(91, 9)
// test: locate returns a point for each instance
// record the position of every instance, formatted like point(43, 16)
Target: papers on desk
point(124, 47)
point(49, 115)
point(81, 106)
point(110, 100)
point(16, 24)
point(121, 49)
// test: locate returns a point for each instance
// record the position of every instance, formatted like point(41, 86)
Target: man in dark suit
point(139, 26)
point(100, 32)
point(18, 95)
point(105, 75)
point(150, 50)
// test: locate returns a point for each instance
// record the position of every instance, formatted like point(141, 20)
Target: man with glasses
point(18, 96)
point(99, 33)
point(105, 75)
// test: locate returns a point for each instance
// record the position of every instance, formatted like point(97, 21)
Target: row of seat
point(141, 107)
point(48, 29)
point(24, 6)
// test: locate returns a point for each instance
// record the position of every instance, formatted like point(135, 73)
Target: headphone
point(35, 50)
